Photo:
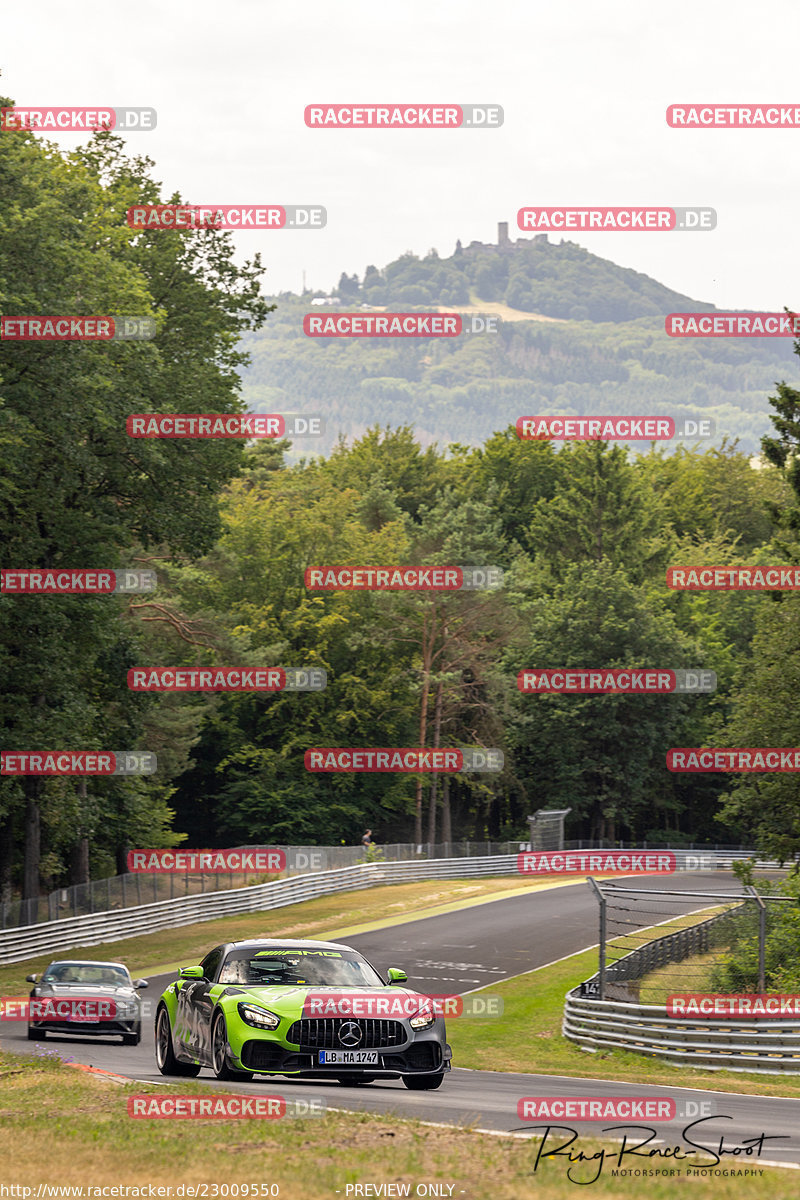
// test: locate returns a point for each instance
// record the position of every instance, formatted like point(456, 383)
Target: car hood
point(85, 989)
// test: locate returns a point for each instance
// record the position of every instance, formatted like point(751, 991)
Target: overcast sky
point(584, 87)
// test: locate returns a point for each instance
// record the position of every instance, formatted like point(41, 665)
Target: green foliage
point(77, 492)
point(583, 531)
point(737, 971)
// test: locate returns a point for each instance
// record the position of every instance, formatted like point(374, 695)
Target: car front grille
point(322, 1033)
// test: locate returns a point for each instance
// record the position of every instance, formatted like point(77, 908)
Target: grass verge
point(66, 1127)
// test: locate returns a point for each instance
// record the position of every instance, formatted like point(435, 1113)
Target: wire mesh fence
point(128, 890)
point(655, 942)
point(149, 887)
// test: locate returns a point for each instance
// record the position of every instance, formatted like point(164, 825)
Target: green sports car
point(305, 1009)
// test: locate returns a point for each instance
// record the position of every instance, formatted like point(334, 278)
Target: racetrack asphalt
point(460, 951)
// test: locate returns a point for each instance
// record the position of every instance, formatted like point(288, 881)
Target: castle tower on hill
point(504, 242)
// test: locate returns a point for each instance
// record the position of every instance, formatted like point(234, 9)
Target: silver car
point(81, 996)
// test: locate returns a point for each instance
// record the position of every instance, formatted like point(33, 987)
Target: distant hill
point(530, 274)
point(602, 350)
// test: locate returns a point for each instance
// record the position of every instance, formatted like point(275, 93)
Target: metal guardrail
point(761, 1046)
point(136, 889)
point(48, 936)
point(90, 930)
point(145, 887)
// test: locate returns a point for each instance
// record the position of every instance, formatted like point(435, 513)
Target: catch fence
point(132, 890)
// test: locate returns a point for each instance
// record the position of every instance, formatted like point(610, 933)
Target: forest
point(584, 533)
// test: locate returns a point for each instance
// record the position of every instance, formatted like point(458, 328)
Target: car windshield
point(102, 974)
point(292, 965)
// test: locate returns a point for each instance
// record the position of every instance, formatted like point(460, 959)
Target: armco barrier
point(759, 1046)
point(48, 936)
point(134, 889)
point(25, 942)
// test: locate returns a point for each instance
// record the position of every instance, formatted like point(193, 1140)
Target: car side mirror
point(31, 978)
point(397, 975)
point(141, 983)
point(191, 973)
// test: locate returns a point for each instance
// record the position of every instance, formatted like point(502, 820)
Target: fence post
point(601, 964)
point(762, 939)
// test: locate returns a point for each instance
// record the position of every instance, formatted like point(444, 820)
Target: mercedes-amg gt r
point(304, 1009)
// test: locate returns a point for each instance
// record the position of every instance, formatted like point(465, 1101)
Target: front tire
point(133, 1038)
point(36, 1035)
point(423, 1083)
point(219, 1053)
point(168, 1064)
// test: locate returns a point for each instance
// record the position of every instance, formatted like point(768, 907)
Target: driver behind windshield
point(318, 970)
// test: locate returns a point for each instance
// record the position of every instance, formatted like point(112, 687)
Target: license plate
point(348, 1058)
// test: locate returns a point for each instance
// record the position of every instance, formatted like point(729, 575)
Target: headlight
point(261, 1018)
point(423, 1020)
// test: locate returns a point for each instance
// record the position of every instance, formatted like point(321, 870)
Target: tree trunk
point(6, 858)
point(79, 857)
point(121, 856)
point(437, 730)
point(428, 638)
point(447, 829)
point(33, 839)
point(79, 862)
